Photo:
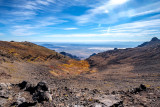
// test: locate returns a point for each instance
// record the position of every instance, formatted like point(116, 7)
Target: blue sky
point(79, 20)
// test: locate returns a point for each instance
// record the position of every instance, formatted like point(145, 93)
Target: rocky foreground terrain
point(26, 94)
point(31, 75)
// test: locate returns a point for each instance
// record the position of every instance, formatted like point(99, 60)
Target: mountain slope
point(70, 55)
point(154, 41)
point(27, 51)
point(25, 60)
point(145, 54)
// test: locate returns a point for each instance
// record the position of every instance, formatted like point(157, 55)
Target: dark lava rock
point(23, 84)
point(27, 86)
point(40, 92)
point(42, 96)
point(142, 87)
point(139, 89)
point(26, 104)
point(42, 86)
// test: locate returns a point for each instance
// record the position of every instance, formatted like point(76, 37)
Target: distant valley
point(83, 50)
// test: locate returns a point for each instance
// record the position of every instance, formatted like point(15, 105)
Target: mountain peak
point(155, 39)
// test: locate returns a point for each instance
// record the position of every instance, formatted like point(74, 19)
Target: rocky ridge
point(145, 54)
point(70, 55)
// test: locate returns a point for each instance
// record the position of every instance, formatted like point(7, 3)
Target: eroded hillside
point(22, 60)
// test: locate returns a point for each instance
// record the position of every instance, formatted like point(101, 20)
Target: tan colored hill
point(11, 51)
point(25, 60)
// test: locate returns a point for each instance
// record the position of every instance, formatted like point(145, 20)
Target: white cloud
point(144, 12)
point(117, 2)
point(105, 8)
point(140, 11)
point(121, 32)
point(154, 17)
point(88, 40)
point(42, 2)
point(35, 4)
point(29, 29)
point(70, 28)
point(100, 48)
point(74, 35)
point(22, 30)
point(108, 7)
point(155, 23)
point(135, 29)
point(24, 13)
point(47, 21)
point(1, 34)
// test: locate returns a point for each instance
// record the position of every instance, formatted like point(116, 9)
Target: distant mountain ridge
point(70, 55)
point(154, 41)
point(145, 54)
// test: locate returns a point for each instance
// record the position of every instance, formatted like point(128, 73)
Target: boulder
point(42, 96)
point(4, 90)
point(27, 87)
point(42, 86)
point(139, 89)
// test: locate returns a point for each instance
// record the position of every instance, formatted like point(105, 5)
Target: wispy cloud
point(87, 40)
point(35, 4)
point(105, 8)
point(140, 11)
point(29, 29)
point(1, 34)
point(110, 15)
point(139, 29)
point(74, 35)
point(135, 29)
point(23, 13)
point(23, 30)
point(70, 28)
